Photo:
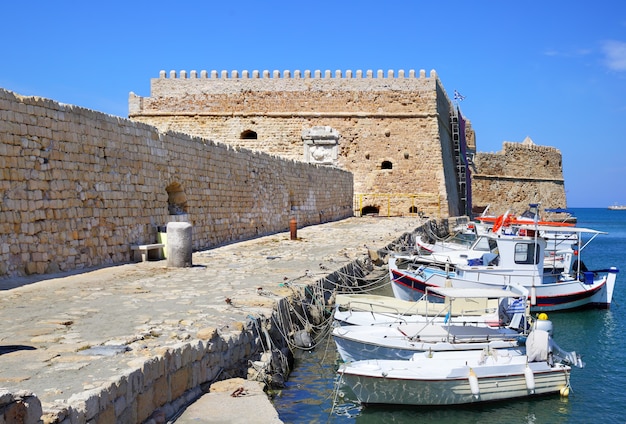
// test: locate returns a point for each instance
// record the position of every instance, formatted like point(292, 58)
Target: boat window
point(482, 244)
point(526, 253)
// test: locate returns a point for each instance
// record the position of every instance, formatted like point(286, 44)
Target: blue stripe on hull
point(577, 300)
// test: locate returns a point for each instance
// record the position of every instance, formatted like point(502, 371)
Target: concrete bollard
point(179, 246)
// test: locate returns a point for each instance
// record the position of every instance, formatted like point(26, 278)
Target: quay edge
point(182, 329)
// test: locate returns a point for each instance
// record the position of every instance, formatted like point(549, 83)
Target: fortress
point(238, 156)
point(410, 149)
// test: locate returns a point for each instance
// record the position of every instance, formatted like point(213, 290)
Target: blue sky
point(551, 70)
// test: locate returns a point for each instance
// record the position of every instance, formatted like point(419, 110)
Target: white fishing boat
point(400, 340)
point(455, 378)
point(515, 259)
point(356, 343)
point(457, 241)
point(460, 253)
point(368, 309)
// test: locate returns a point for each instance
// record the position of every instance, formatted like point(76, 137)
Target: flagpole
point(458, 97)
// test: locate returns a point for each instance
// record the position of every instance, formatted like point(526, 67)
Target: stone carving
point(320, 145)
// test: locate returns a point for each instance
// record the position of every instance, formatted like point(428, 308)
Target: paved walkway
point(61, 335)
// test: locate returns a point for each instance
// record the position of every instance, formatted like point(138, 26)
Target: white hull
point(356, 343)
point(545, 295)
point(432, 382)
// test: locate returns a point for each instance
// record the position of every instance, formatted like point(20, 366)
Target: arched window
point(386, 165)
point(248, 135)
point(176, 199)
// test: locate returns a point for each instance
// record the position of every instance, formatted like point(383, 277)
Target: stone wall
point(393, 129)
point(148, 390)
point(520, 174)
point(19, 408)
point(78, 187)
point(152, 389)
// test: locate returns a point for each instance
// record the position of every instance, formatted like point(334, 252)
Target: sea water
point(598, 392)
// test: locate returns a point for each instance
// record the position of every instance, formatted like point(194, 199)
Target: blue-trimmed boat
point(515, 260)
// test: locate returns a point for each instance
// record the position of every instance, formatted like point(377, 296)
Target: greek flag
point(458, 96)
point(516, 307)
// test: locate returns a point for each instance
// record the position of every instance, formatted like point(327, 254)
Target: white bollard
point(179, 246)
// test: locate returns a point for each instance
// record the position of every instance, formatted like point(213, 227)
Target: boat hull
point(364, 343)
point(374, 384)
point(552, 296)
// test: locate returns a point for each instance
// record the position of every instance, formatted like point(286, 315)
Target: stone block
point(161, 391)
point(107, 416)
point(180, 382)
point(145, 404)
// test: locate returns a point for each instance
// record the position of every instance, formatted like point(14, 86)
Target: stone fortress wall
point(77, 187)
point(392, 131)
point(520, 174)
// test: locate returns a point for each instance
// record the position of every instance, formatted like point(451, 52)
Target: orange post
point(293, 228)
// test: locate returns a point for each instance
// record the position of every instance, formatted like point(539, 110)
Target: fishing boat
point(356, 343)
point(516, 259)
point(458, 255)
point(400, 340)
point(458, 241)
point(368, 309)
point(456, 378)
point(460, 251)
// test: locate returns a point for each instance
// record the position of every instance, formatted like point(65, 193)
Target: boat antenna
point(533, 292)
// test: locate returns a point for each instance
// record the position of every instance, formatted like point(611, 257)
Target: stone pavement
point(66, 334)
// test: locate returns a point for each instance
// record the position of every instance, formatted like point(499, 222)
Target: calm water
point(598, 391)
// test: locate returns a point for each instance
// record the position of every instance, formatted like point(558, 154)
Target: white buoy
point(545, 325)
point(565, 391)
point(473, 382)
point(530, 379)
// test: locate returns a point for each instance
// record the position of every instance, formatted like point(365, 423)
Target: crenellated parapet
point(524, 160)
point(521, 173)
point(200, 83)
point(297, 74)
point(510, 146)
point(381, 125)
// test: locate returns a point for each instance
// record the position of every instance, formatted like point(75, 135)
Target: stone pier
point(140, 342)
